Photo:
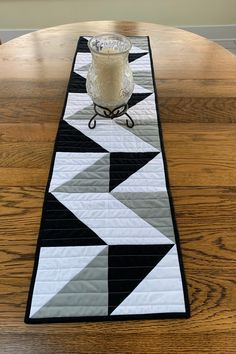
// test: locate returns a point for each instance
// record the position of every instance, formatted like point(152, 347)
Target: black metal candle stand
point(107, 113)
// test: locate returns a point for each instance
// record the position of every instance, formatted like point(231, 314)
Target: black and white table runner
point(108, 246)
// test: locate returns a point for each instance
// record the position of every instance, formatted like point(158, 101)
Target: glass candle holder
point(110, 80)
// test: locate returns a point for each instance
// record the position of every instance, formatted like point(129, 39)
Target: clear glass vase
point(110, 80)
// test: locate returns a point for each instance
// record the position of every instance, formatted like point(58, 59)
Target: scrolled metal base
point(107, 113)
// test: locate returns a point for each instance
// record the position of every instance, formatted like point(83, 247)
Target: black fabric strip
point(76, 241)
point(156, 316)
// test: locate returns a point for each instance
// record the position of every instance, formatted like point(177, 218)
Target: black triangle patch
point(70, 139)
point(83, 45)
point(60, 227)
point(128, 266)
point(135, 56)
point(77, 83)
point(124, 164)
point(137, 97)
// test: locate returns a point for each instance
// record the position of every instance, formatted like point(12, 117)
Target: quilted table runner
point(108, 246)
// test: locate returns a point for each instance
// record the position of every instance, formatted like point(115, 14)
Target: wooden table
point(196, 82)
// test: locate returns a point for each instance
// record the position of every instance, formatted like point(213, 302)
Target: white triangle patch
point(141, 64)
point(76, 102)
point(82, 59)
point(68, 164)
point(112, 136)
point(110, 219)
point(56, 267)
point(149, 178)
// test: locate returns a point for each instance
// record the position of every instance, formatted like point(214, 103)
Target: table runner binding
point(108, 246)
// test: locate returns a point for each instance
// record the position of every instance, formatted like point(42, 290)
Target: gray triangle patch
point(85, 295)
point(147, 133)
point(154, 208)
point(85, 113)
point(84, 68)
point(144, 79)
point(140, 43)
point(94, 179)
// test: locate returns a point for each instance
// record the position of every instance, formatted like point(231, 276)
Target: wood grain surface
point(196, 81)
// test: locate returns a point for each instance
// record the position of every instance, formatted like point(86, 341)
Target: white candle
point(110, 71)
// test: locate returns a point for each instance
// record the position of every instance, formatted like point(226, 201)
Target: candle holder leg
point(93, 120)
point(127, 121)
